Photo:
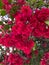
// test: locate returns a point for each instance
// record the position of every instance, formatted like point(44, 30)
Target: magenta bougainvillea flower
point(45, 59)
point(26, 31)
point(13, 59)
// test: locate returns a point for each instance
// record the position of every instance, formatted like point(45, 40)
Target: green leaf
point(39, 4)
point(1, 64)
point(33, 60)
point(47, 22)
point(3, 12)
point(1, 22)
point(14, 9)
point(35, 46)
point(31, 1)
point(6, 27)
point(9, 1)
point(41, 52)
point(1, 4)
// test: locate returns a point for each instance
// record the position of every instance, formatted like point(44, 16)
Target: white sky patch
point(6, 17)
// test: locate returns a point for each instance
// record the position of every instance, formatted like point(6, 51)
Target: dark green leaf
point(1, 4)
point(6, 27)
point(9, 1)
point(3, 12)
point(1, 22)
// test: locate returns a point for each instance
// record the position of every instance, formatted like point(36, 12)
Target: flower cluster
point(45, 59)
point(13, 59)
point(26, 28)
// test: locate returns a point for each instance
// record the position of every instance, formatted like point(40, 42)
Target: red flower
point(20, 28)
point(44, 45)
point(17, 28)
point(36, 52)
point(33, 21)
point(7, 41)
point(39, 30)
point(45, 59)
point(27, 30)
point(26, 10)
point(21, 18)
point(21, 2)
point(46, 33)
point(7, 7)
point(42, 14)
point(13, 59)
point(25, 46)
point(5, 1)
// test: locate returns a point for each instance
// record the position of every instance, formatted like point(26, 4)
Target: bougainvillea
point(45, 59)
point(24, 30)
